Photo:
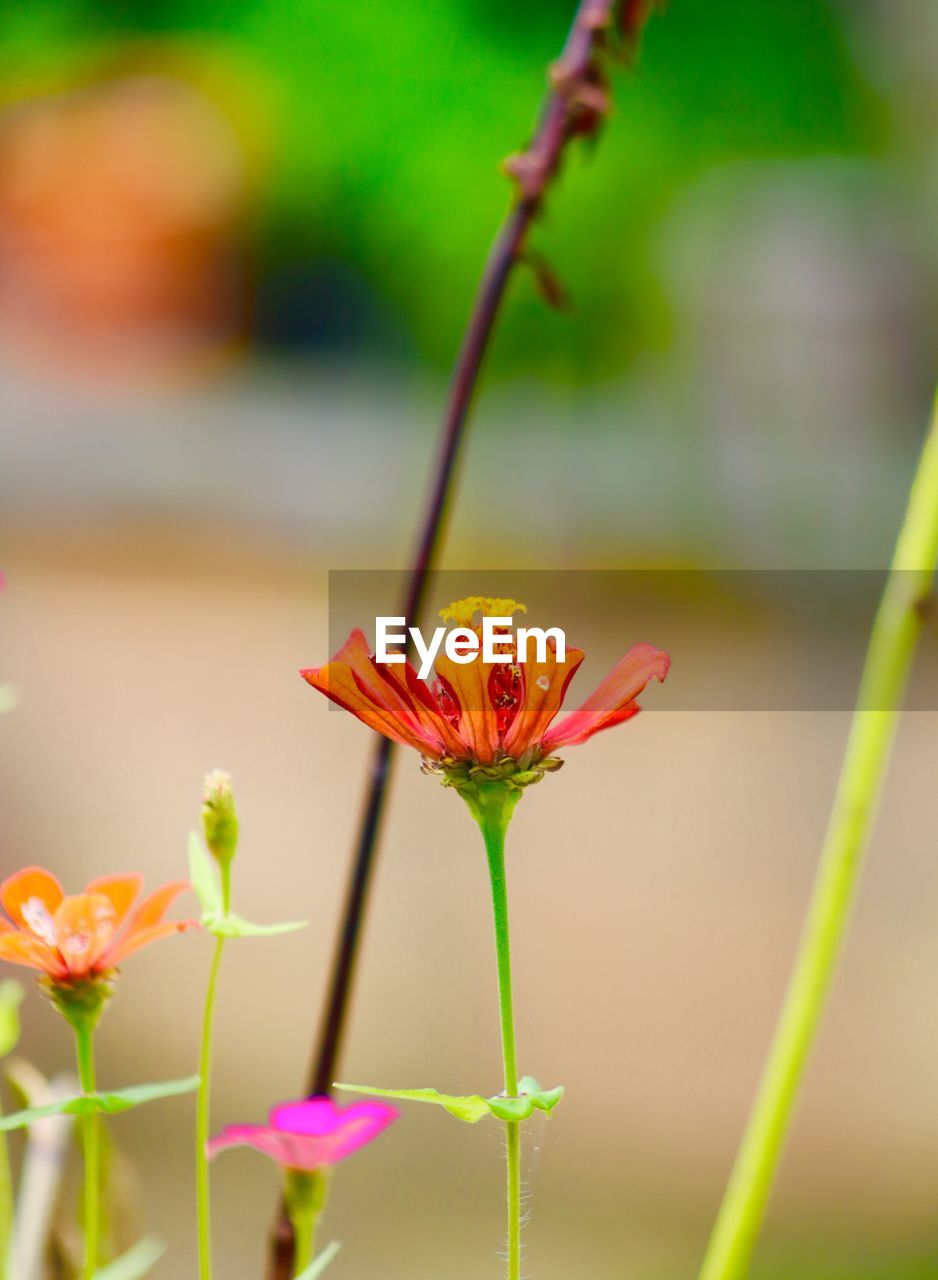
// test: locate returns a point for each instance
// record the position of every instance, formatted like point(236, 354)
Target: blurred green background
point(237, 246)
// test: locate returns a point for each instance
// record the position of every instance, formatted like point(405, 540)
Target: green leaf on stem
point(215, 920)
point(319, 1264)
point(136, 1263)
point(468, 1107)
point(11, 995)
point(232, 926)
point(542, 1099)
point(204, 879)
point(111, 1103)
point(472, 1107)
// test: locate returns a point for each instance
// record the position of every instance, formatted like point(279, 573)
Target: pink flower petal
point(314, 1117)
point(310, 1133)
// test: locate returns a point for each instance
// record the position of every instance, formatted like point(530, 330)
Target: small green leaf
point(469, 1107)
point(319, 1264)
point(232, 926)
point(8, 698)
point(111, 1104)
point(543, 1099)
point(510, 1108)
point(11, 995)
point(473, 1107)
point(136, 1263)
point(203, 877)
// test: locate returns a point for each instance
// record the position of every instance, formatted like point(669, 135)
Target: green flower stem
point(305, 1195)
point(202, 1120)
point(203, 1193)
point(492, 805)
point(891, 647)
point(91, 1141)
point(6, 1207)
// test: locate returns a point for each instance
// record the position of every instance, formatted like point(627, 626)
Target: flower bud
point(219, 817)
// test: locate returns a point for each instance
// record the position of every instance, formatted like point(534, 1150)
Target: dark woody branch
point(576, 106)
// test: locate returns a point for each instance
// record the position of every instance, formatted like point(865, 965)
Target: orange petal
point(123, 892)
point(84, 929)
point(20, 948)
point(545, 684)
point(431, 717)
point(352, 681)
point(614, 700)
point(478, 723)
point(134, 939)
point(31, 898)
point(152, 909)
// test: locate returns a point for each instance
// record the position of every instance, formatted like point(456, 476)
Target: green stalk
point(84, 1044)
point(891, 647)
point(492, 808)
point(305, 1196)
point(203, 1195)
point(202, 1120)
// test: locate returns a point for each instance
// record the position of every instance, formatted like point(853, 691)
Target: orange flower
point(83, 937)
point(492, 718)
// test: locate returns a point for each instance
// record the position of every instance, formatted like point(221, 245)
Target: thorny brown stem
point(576, 106)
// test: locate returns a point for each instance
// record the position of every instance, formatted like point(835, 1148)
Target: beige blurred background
point(658, 883)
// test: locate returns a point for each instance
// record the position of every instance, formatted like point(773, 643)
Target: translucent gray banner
point(739, 640)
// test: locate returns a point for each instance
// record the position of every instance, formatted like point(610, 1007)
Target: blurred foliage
point(381, 191)
point(890, 1264)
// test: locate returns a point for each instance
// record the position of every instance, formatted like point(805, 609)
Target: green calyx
point(82, 1001)
point(506, 772)
point(305, 1191)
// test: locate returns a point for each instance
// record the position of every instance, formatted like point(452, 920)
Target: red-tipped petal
point(152, 909)
point(478, 721)
point(614, 700)
point(352, 681)
point(545, 685)
point(148, 917)
point(134, 939)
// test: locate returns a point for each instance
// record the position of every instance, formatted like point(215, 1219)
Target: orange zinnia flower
point(83, 937)
point(483, 720)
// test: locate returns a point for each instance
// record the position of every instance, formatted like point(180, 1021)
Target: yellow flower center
point(462, 612)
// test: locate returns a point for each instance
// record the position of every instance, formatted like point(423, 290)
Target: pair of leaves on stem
point(215, 919)
point(472, 1107)
point(109, 1104)
point(81, 1104)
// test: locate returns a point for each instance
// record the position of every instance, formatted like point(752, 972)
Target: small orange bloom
point(84, 936)
point(484, 715)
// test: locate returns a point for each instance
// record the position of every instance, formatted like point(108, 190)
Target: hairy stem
point(891, 647)
point(91, 1142)
point(493, 812)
